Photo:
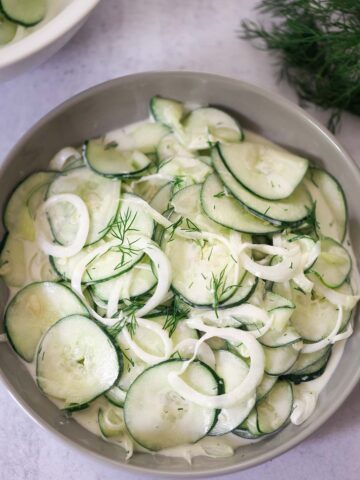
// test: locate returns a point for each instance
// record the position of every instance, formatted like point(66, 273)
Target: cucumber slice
point(279, 360)
point(111, 422)
point(232, 369)
point(101, 196)
point(116, 396)
point(137, 281)
point(333, 265)
point(291, 211)
point(110, 162)
point(311, 372)
point(33, 310)
point(17, 217)
point(274, 410)
point(310, 307)
point(7, 30)
point(224, 209)
point(189, 169)
point(207, 125)
point(24, 12)
point(160, 202)
point(242, 293)
point(266, 172)
point(147, 136)
point(170, 147)
point(331, 207)
point(265, 386)
point(157, 417)
point(112, 263)
point(167, 111)
point(77, 361)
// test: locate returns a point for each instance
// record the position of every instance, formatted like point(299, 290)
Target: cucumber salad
point(18, 18)
point(181, 285)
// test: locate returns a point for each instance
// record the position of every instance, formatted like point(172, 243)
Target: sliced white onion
point(155, 176)
point(145, 356)
point(246, 311)
point(186, 348)
point(336, 298)
point(312, 255)
point(303, 282)
point(43, 228)
point(281, 272)
point(331, 338)
point(246, 387)
point(62, 156)
point(114, 298)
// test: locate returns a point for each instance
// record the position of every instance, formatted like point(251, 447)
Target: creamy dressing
point(305, 394)
point(54, 7)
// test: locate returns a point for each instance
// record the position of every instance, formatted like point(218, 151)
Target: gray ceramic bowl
point(125, 100)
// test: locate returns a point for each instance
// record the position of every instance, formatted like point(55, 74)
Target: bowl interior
point(123, 101)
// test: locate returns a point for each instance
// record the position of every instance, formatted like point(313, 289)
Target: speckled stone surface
point(121, 37)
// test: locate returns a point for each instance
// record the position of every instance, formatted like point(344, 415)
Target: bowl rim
point(54, 29)
point(291, 107)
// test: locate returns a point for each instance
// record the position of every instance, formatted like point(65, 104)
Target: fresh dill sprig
point(190, 226)
point(176, 311)
point(218, 288)
point(220, 194)
point(172, 228)
point(317, 44)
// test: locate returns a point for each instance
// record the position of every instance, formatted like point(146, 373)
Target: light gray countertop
point(126, 36)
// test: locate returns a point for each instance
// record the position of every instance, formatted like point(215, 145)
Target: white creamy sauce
point(54, 7)
point(305, 394)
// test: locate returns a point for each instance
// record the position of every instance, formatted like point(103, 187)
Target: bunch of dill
point(317, 43)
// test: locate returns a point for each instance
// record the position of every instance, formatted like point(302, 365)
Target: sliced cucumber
point(290, 211)
point(114, 262)
point(226, 210)
point(116, 396)
point(249, 429)
point(157, 417)
point(242, 293)
point(147, 136)
point(33, 310)
point(331, 207)
point(208, 125)
point(101, 196)
point(309, 365)
point(265, 386)
point(333, 265)
point(170, 147)
point(77, 361)
point(7, 30)
point(274, 410)
point(167, 111)
point(160, 202)
point(279, 360)
point(111, 422)
point(186, 170)
point(232, 369)
point(113, 163)
point(266, 172)
point(17, 217)
point(138, 280)
point(24, 12)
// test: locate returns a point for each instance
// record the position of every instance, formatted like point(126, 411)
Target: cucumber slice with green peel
point(310, 372)
point(249, 429)
point(17, 217)
point(307, 360)
point(170, 147)
point(266, 172)
point(310, 307)
point(188, 169)
point(157, 417)
point(208, 275)
point(333, 265)
point(139, 280)
point(208, 125)
point(226, 210)
point(265, 386)
point(233, 370)
point(33, 310)
point(273, 338)
point(24, 12)
point(100, 195)
point(77, 361)
point(274, 410)
point(7, 30)
point(242, 294)
point(116, 396)
point(160, 202)
point(279, 360)
point(115, 261)
point(288, 212)
point(167, 111)
point(110, 162)
point(331, 207)
point(147, 136)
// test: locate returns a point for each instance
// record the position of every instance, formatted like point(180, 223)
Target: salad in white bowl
point(180, 286)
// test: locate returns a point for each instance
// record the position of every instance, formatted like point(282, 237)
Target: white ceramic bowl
point(40, 45)
point(125, 100)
